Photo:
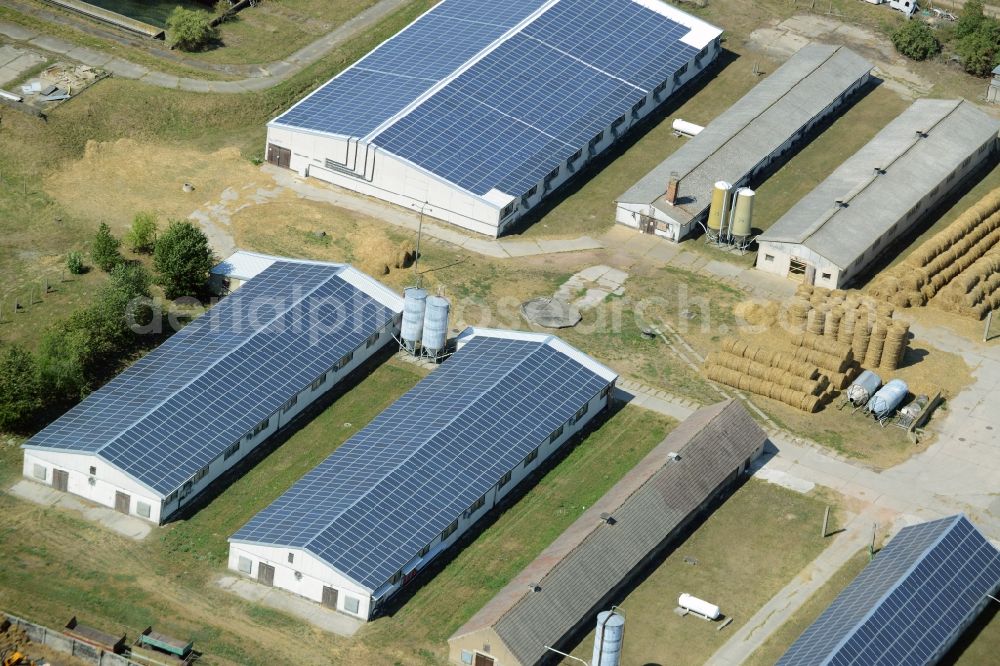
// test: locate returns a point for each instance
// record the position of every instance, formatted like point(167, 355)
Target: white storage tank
point(414, 304)
point(685, 127)
point(699, 606)
point(435, 335)
point(608, 639)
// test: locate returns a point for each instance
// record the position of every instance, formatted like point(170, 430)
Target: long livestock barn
point(154, 437)
point(910, 605)
point(879, 194)
point(477, 111)
point(359, 527)
point(755, 133)
point(559, 594)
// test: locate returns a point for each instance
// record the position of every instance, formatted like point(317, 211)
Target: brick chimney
point(672, 189)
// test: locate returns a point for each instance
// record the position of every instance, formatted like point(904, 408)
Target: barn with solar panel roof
point(152, 439)
point(363, 523)
point(477, 111)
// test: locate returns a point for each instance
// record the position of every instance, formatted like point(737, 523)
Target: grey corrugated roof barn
point(753, 133)
point(880, 192)
point(565, 585)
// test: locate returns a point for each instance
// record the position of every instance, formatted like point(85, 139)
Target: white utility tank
point(435, 325)
point(699, 606)
point(608, 639)
point(684, 127)
point(414, 304)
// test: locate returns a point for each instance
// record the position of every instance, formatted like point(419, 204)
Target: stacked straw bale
point(943, 258)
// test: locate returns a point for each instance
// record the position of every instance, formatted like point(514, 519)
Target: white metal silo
point(414, 305)
point(435, 335)
point(608, 639)
point(718, 210)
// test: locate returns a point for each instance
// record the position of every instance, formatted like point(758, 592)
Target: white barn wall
point(316, 574)
point(385, 176)
point(107, 481)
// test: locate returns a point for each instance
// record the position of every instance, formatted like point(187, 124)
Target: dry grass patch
point(114, 180)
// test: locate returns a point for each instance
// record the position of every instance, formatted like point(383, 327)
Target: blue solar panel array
point(406, 66)
point(395, 485)
point(183, 404)
point(910, 604)
point(519, 111)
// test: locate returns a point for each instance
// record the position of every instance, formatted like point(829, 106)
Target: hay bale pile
point(976, 290)
point(952, 252)
point(775, 375)
point(855, 329)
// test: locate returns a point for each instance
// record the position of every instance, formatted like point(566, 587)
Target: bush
point(141, 235)
point(191, 29)
point(20, 389)
point(74, 263)
point(182, 259)
point(980, 50)
point(105, 249)
point(970, 18)
point(916, 40)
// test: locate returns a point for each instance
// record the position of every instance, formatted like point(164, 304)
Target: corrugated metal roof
point(751, 129)
point(914, 166)
point(592, 557)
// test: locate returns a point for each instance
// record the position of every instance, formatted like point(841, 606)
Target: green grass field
point(746, 551)
point(167, 580)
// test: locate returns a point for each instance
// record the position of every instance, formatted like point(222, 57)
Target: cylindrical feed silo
point(608, 639)
point(742, 212)
point(718, 211)
point(435, 335)
point(414, 304)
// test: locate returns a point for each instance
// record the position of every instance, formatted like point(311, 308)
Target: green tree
point(191, 29)
point(916, 40)
point(980, 50)
point(104, 251)
point(74, 262)
point(20, 388)
point(970, 18)
point(141, 235)
point(61, 371)
point(182, 259)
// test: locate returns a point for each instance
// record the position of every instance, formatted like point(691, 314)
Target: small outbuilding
point(561, 591)
point(880, 194)
point(754, 134)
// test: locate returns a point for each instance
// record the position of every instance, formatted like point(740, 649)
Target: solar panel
point(406, 66)
point(391, 488)
point(561, 72)
point(184, 403)
point(910, 604)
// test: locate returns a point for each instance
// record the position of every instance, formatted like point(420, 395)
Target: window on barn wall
point(143, 509)
point(504, 480)
point(291, 558)
point(372, 340)
point(556, 434)
point(530, 457)
point(769, 258)
point(352, 604)
point(448, 531)
point(244, 564)
point(423, 551)
point(40, 472)
point(93, 470)
point(233, 448)
point(318, 382)
point(291, 403)
point(638, 105)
